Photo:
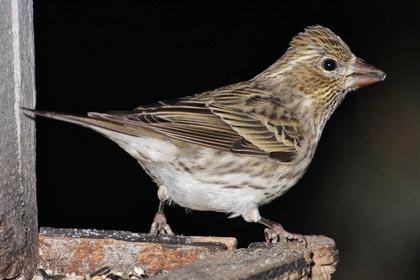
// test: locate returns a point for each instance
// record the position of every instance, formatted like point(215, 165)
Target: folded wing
point(241, 120)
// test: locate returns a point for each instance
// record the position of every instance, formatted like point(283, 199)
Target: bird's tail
point(92, 121)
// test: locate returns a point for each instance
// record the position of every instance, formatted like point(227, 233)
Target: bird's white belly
point(207, 190)
point(206, 179)
point(188, 191)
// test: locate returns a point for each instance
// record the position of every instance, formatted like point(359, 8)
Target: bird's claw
point(159, 225)
point(276, 232)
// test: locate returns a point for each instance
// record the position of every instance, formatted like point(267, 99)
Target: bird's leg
point(275, 231)
point(159, 225)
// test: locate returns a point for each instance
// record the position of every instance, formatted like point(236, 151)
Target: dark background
point(362, 188)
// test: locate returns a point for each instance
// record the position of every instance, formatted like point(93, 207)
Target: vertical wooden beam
point(18, 211)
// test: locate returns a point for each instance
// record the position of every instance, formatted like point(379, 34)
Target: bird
point(240, 146)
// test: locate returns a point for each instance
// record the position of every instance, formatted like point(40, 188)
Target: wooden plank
point(182, 257)
point(285, 260)
point(84, 251)
point(18, 211)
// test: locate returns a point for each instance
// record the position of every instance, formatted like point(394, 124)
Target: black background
point(362, 188)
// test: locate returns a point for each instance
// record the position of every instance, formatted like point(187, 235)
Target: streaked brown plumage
point(238, 147)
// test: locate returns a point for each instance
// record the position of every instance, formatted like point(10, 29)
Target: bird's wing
point(241, 120)
point(262, 121)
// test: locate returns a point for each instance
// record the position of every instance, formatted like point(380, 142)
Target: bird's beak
point(361, 74)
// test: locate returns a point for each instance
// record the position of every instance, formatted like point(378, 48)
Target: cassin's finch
point(238, 147)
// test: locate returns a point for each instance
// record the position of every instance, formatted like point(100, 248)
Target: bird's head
point(321, 66)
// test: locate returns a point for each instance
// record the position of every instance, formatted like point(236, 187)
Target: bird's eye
point(329, 64)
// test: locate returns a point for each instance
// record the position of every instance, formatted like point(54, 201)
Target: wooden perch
point(84, 251)
point(285, 260)
point(18, 210)
point(182, 257)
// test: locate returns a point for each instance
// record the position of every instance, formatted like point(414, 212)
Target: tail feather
point(91, 121)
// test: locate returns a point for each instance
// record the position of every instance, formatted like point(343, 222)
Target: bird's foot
point(275, 232)
point(159, 225)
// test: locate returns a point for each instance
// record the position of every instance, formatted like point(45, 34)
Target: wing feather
point(242, 120)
